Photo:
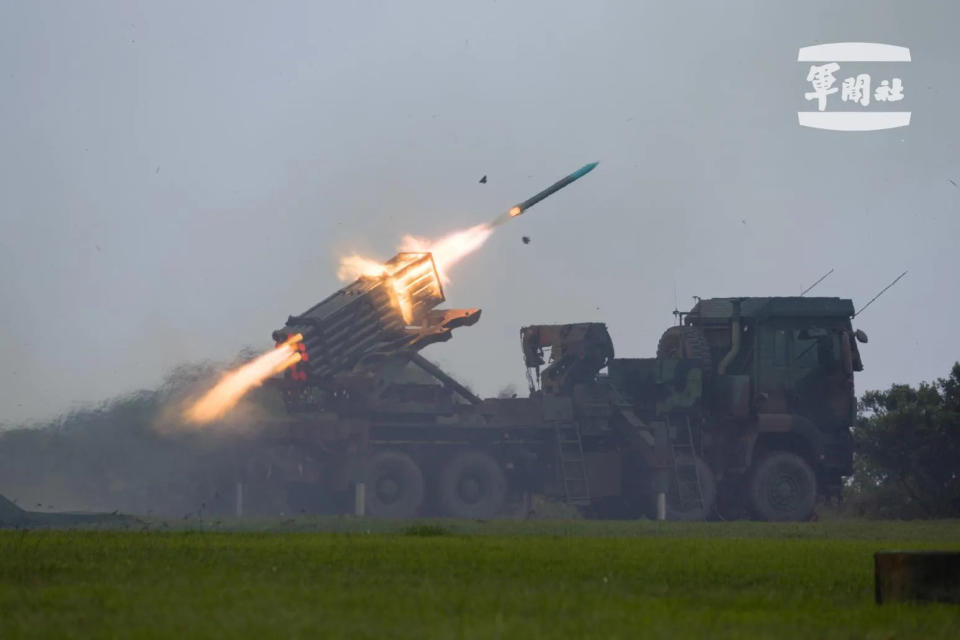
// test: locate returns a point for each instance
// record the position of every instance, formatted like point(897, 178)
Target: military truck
point(750, 399)
point(769, 392)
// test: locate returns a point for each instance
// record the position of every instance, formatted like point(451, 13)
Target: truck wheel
point(685, 342)
point(394, 485)
point(782, 487)
point(684, 500)
point(472, 485)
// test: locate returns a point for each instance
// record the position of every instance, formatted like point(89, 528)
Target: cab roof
point(718, 308)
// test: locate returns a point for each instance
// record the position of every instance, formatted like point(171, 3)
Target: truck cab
point(779, 400)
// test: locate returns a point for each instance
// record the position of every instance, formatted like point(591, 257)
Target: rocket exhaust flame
point(356, 266)
point(449, 249)
point(292, 340)
point(216, 402)
point(446, 251)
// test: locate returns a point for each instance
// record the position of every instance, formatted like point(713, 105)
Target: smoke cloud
point(136, 454)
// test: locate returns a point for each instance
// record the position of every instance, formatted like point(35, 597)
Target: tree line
point(907, 451)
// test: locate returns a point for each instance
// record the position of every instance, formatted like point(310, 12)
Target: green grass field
point(358, 578)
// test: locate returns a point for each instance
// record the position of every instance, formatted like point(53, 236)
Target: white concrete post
point(360, 498)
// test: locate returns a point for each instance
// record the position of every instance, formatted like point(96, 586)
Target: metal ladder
point(684, 449)
point(573, 469)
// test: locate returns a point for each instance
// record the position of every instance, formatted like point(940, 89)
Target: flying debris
point(526, 239)
point(483, 180)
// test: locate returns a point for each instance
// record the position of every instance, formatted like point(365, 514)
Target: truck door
point(822, 387)
point(771, 364)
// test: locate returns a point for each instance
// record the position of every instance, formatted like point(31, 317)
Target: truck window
point(780, 348)
point(805, 351)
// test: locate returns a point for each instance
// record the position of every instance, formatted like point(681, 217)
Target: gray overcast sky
point(178, 177)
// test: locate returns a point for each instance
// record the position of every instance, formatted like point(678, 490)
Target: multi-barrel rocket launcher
point(377, 322)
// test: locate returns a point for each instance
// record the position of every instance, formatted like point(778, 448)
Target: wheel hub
point(784, 491)
point(388, 489)
point(470, 489)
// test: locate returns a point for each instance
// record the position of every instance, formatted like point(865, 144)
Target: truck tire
point(472, 485)
point(782, 487)
point(685, 342)
point(682, 500)
point(394, 485)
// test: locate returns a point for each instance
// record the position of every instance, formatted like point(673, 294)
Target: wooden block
point(902, 576)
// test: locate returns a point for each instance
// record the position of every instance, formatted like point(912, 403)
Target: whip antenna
point(822, 278)
point(897, 279)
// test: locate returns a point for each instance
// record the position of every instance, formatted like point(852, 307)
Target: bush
point(907, 461)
